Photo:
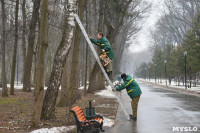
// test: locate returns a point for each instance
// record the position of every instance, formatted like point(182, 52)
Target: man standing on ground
point(133, 91)
point(105, 47)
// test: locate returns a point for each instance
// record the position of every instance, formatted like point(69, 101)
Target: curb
point(189, 92)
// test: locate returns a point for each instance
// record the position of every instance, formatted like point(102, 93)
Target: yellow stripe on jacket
point(129, 82)
point(130, 90)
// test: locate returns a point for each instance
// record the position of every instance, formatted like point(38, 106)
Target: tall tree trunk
point(17, 66)
point(75, 57)
point(31, 42)
point(65, 81)
point(40, 74)
point(86, 54)
point(96, 76)
point(101, 78)
point(24, 36)
point(14, 50)
point(49, 103)
point(93, 78)
point(3, 49)
point(74, 73)
point(36, 55)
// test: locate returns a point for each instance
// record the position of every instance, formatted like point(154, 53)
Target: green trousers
point(134, 105)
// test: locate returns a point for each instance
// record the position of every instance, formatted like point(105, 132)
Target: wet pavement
point(160, 111)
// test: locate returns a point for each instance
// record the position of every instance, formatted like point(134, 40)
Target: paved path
point(159, 111)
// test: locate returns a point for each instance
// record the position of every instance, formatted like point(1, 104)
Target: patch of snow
point(173, 84)
point(104, 105)
point(19, 86)
point(115, 82)
point(62, 129)
point(108, 93)
point(82, 87)
point(108, 122)
point(109, 88)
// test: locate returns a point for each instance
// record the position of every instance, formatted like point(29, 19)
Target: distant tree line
point(177, 36)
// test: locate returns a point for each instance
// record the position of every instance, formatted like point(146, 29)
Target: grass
point(16, 111)
point(9, 100)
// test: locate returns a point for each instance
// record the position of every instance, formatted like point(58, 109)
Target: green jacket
point(103, 43)
point(131, 86)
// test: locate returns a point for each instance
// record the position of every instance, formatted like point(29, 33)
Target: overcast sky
point(143, 38)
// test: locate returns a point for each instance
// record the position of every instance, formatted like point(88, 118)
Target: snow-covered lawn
point(62, 129)
point(20, 86)
point(107, 93)
point(106, 122)
point(16, 86)
point(173, 84)
point(82, 87)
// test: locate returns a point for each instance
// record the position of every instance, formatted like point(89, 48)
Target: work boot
point(132, 118)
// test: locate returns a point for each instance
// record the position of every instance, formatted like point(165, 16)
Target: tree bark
point(3, 73)
point(14, 50)
point(40, 74)
point(31, 42)
point(96, 76)
point(65, 82)
point(49, 102)
point(86, 53)
point(74, 73)
point(93, 78)
point(101, 78)
point(24, 36)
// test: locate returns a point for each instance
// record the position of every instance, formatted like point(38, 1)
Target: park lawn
point(16, 111)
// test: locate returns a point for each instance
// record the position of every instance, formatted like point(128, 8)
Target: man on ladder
point(110, 55)
point(107, 54)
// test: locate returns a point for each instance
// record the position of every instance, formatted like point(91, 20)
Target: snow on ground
point(62, 129)
point(82, 87)
point(108, 122)
point(107, 93)
point(173, 84)
point(104, 105)
point(20, 86)
point(17, 86)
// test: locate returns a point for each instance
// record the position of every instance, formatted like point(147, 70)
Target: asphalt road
point(160, 111)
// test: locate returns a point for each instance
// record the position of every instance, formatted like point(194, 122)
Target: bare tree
point(40, 74)
point(174, 24)
point(24, 36)
point(96, 76)
point(70, 82)
point(31, 43)
point(51, 94)
point(14, 50)
point(3, 37)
